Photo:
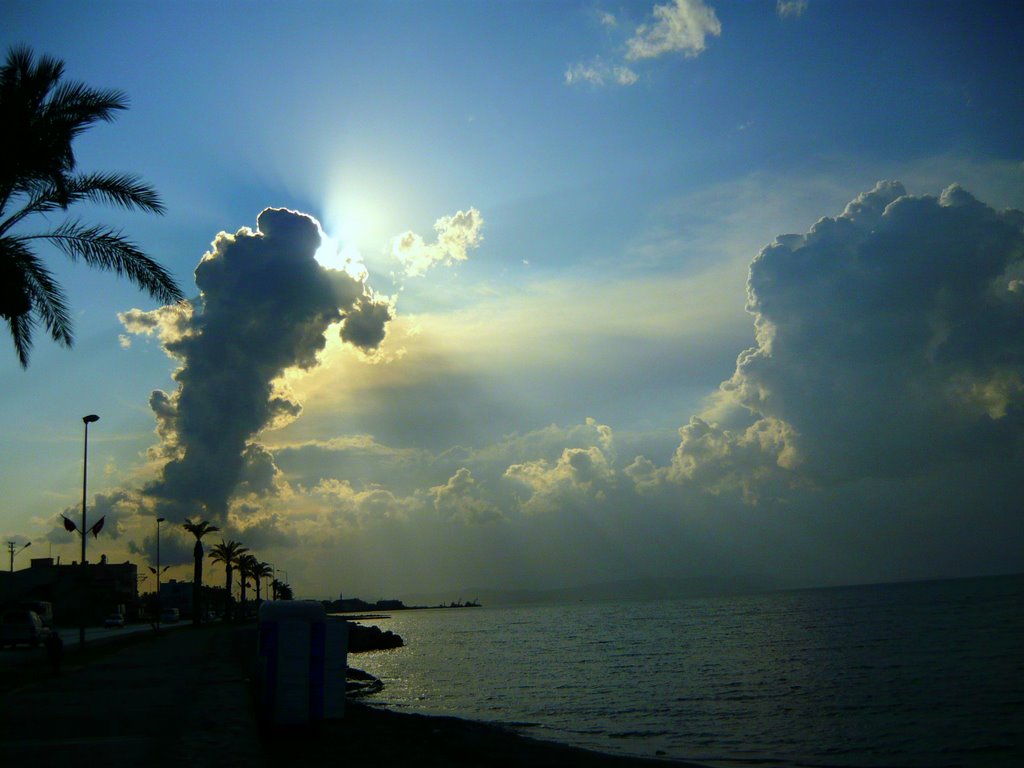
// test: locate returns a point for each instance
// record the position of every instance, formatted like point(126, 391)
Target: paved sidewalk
point(177, 699)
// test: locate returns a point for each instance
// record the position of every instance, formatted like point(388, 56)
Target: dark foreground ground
point(184, 699)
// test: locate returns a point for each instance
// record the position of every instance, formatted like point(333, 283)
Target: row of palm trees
point(234, 556)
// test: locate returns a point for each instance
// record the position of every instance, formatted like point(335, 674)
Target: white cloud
point(456, 235)
point(885, 348)
point(170, 323)
point(579, 473)
point(459, 499)
point(681, 27)
point(790, 8)
point(600, 73)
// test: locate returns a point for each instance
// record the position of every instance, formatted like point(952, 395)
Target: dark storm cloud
point(366, 323)
point(265, 304)
point(888, 343)
point(175, 547)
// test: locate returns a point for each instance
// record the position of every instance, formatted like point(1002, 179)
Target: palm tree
point(228, 552)
point(41, 116)
point(261, 571)
point(246, 565)
point(197, 528)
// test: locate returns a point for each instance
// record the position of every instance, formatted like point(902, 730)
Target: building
point(176, 594)
point(78, 593)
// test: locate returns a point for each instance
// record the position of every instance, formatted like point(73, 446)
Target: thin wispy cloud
point(790, 8)
point(599, 72)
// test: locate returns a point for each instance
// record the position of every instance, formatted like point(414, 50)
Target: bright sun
point(335, 254)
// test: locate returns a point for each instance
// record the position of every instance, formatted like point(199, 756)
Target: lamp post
point(11, 548)
point(87, 420)
point(285, 572)
point(159, 605)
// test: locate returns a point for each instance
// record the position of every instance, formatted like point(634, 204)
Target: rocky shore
point(362, 639)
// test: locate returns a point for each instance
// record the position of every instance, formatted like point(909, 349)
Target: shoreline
point(187, 697)
point(382, 736)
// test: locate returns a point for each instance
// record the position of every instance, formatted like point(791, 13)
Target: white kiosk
point(303, 659)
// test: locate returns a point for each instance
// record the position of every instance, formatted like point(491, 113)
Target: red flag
point(69, 526)
point(95, 530)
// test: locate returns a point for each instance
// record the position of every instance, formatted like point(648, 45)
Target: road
point(69, 635)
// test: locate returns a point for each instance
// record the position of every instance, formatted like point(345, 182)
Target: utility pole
point(11, 549)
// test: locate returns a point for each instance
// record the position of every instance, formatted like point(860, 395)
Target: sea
point(907, 674)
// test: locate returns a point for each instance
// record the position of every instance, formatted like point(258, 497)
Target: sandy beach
point(184, 698)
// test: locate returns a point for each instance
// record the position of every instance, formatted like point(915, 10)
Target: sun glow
point(344, 256)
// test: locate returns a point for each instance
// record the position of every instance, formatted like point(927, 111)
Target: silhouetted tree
point(228, 552)
point(198, 528)
point(40, 118)
point(260, 571)
point(246, 565)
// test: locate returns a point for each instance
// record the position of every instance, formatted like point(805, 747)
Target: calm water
point(922, 674)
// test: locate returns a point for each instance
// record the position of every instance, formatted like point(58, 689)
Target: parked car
point(41, 607)
point(169, 616)
point(114, 621)
point(22, 626)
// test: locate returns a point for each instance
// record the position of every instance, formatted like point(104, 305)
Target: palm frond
point(198, 528)
point(124, 190)
point(41, 117)
point(75, 106)
point(104, 248)
point(21, 332)
point(48, 300)
point(20, 70)
point(43, 197)
point(42, 295)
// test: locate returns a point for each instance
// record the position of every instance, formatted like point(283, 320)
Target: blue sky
point(584, 187)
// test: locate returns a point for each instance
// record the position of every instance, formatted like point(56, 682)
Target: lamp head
point(161, 519)
point(92, 417)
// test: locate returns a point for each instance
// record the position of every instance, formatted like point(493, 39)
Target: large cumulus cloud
point(888, 344)
point(265, 303)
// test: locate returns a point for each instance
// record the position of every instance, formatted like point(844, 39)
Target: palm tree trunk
point(197, 583)
point(227, 607)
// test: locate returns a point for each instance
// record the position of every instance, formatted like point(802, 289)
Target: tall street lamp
point(92, 418)
point(158, 570)
point(87, 420)
point(159, 605)
point(11, 548)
